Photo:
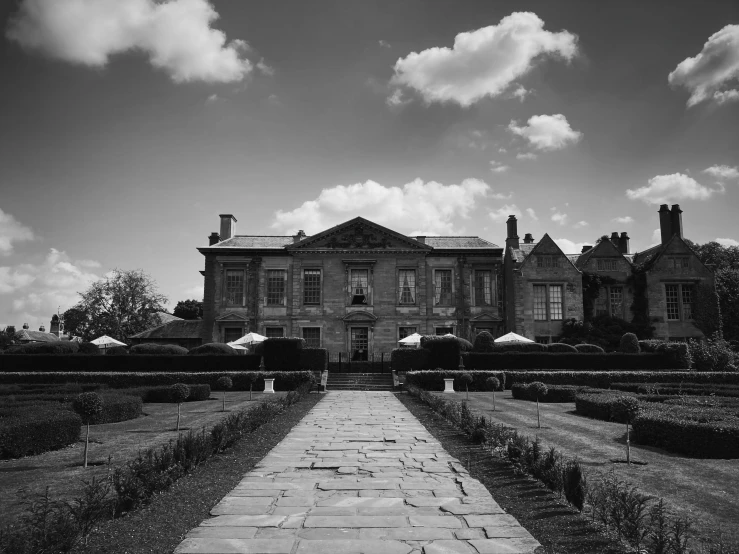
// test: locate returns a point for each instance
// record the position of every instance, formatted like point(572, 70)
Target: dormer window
point(545, 260)
point(607, 264)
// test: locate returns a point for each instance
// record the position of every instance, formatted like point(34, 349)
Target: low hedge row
point(601, 405)
point(139, 363)
point(162, 394)
point(314, 359)
point(700, 432)
point(555, 393)
point(433, 379)
point(120, 407)
point(282, 354)
point(586, 361)
point(284, 380)
point(694, 389)
point(37, 429)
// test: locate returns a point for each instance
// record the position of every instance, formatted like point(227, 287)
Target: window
point(483, 288)
point(679, 302)
point(360, 286)
point(548, 261)
point(405, 332)
point(548, 302)
point(276, 287)
point(274, 332)
point(443, 287)
point(607, 264)
point(407, 286)
point(231, 334)
point(359, 343)
point(542, 339)
point(312, 286)
point(312, 336)
point(610, 302)
point(440, 331)
point(235, 287)
point(678, 262)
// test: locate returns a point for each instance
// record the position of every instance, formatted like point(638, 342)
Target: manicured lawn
point(62, 471)
point(705, 490)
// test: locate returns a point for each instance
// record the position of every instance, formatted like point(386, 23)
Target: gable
point(676, 247)
point(604, 249)
point(358, 234)
point(547, 247)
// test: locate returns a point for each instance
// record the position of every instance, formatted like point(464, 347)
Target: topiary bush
point(89, 348)
point(120, 407)
point(713, 355)
point(521, 347)
point(678, 353)
point(561, 347)
point(88, 406)
point(213, 349)
point(60, 347)
point(629, 344)
point(554, 394)
point(492, 383)
point(282, 354)
point(158, 349)
point(433, 379)
point(117, 351)
point(225, 383)
point(36, 429)
point(589, 348)
point(444, 351)
point(484, 342)
point(409, 359)
point(314, 359)
point(178, 393)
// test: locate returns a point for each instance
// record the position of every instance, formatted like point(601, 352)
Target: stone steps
point(360, 381)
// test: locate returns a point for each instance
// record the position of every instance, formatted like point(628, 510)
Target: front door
point(359, 343)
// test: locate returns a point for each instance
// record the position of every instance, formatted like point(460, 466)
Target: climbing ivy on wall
point(706, 310)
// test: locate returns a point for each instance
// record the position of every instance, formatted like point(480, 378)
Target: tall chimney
point(614, 239)
point(228, 226)
point(42, 329)
point(54, 325)
point(25, 325)
point(623, 243)
point(511, 240)
point(300, 236)
point(676, 220)
point(665, 223)
point(528, 238)
point(214, 238)
point(585, 248)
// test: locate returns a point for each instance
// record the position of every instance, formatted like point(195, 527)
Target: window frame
point(600, 264)
point(227, 329)
point(320, 286)
point(399, 290)
point(554, 261)
point(400, 327)
point(268, 328)
point(312, 328)
point(681, 289)
point(684, 262)
point(283, 301)
point(367, 295)
point(605, 298)
point(548, 301)
point(226, 293)
point(492, 287)
point(451, 287)
point(447, 328)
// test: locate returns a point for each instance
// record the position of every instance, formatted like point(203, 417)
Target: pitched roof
point(179, 329)
point(519, 254)
point(164, 317)
point(35, 336)
point(459, 242)
point(255, 241)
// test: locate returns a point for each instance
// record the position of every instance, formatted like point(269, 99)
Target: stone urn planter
point(449, 385)
point(269, 386)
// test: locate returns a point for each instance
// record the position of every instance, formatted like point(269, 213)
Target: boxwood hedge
point(314, 359)
point(434, 379)
point(119, 407)
point(134, 363)
point(572, 361)
point(162, 394)
point(36, 429)
point(555, 393)
point(282, 354)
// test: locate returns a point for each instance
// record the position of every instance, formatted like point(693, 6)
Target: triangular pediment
point(604, 249)
point(546, 246)
point(358, 234)
point(232, 316)
point(486, 316)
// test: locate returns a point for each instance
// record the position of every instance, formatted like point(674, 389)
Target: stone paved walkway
point(358, 475)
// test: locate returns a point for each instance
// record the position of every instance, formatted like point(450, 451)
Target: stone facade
point(307, 287)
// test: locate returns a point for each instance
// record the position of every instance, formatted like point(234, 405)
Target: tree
point(120, 305)
point(189, 309)
point(7, 337)
point(89, 405)
point(466, 378)
point(251, 377)
point(224, 383)
point(493, 383)
point(540, 390)
point(179, 392)
point(629, 407)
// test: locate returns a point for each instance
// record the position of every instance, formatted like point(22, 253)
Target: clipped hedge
point(443, 351)
point(555, 393)
point(61, 347)
point(434, 379)
point(314, 359)
point(701, 432)
point(282, 354)
point(284, 380)
point(162, 394)
point(601, 405)
point(561, 347)
point(90, 349)
point(678, 353)
point(410, 359)
point(137, 363)
point(213, 349)
point(520, 347)
point(603, 379)
point(589, 348)
point(566, 360)
point(160, 349)
point(119, 407)
point(117, 351)
point(696, 389)
point(36, 429)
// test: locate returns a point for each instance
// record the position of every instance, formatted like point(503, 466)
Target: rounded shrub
point(629, 344)
point(561, 347)
point(60, 347)
point(117, 351)
point(492, 383)
point(538, 389)
point(213, 349)
point(89, 348)
point(589, 348)
point(225, 383)
point(521, 347)
point(484, 342)
point(150, 349)
point(179, 392)
point(625, 408)
point(89, 406)
point(464, 345)
point(120, 407)
point(35, 429)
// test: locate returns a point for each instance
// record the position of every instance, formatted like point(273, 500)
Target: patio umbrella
point(512, 337)
point(106, 342)
point(411, 340)
point(249, 338)
point(236, 346)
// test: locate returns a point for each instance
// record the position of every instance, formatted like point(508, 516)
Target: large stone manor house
point(359, 287)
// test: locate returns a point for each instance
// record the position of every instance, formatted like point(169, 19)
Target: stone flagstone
point(358, 475)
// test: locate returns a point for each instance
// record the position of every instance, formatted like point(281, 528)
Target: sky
point(126, 128)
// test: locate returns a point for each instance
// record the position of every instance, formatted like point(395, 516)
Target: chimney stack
point(214, 238)
point(228, 226)
point(25, 325)
point(54, 325)
point(585, 248)
point(665, 223)
point(511, 240)
point(676, 220)
point(614, 239)
point(623, 243)
point(528, 238)
point(421, 239)
point(300, 236)
point(42, 329)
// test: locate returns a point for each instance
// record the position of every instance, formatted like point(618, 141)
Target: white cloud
point(212, 99)
point(265, 69)
point(11, 230)
point(482, 63)
point(580, 224)
point(547, 132)
point(396, 99)
point(384, 43)
point(708, 75)
point(656, 237)
point(625, 220)
point(526, 156)
point(175, 35)
point(665, 189)
point(722, 172)
point(727, 242)
point(498, 167)
point(33, 292)
point(415, 208)
point(502, 150)
point(500, 196)
point(532, 214)
point(559, 217)
point(521, 93)
point(568, 246)
point(274, 100)
point(501, 214)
